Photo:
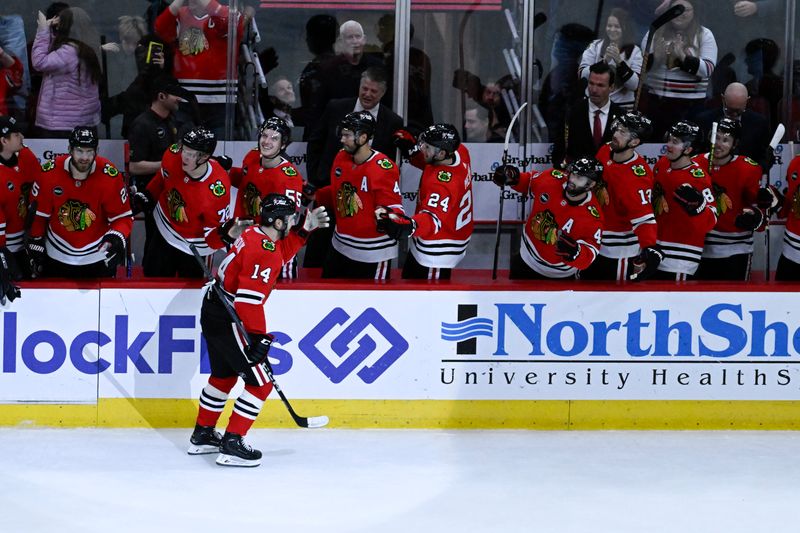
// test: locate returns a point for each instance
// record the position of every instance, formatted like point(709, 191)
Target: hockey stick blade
point(777, 136)
point(312, 422)
point(671, 13)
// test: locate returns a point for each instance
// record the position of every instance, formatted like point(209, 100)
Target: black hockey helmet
point(587, 166)
point(442, 136)
point(279, 125)
point(358, 122)
point(731, 127)
point(637, 124)
point(84, 137)
point(275, 206)
point(686, 131)
point(201, 139)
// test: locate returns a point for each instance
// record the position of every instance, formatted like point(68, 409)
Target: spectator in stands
point(619, 50)
point(198, 33)
point(755, 134)
point(765, 86)
point(65, 52)
point(13, 41)
point(489, 97)
point(279, 101)
point(476, 125)
point(11, 72)
point(321, 32)
point(683, 55)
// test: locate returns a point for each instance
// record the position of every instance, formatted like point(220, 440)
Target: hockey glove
point(307, 194)
point(567, 248)
point(312, 220)
point(232, 229)
point(405, 142)
point(749, 219)
point(113, 246)
point(769, 198)
point(396, 225)
point(506, 175)
point(690, 199)
point(36, 255)
point(258, 349)
point(646, 263)
point(8, 291)
point(141, 201)
point(224, 161)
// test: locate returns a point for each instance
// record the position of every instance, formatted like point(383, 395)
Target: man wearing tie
point(588, 122)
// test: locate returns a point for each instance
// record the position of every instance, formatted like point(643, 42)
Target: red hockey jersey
point(15, 197)
point(444, 213)
point(255, 182)
point(76, 214)
point(550, 215)
point(680, 235)
point(791, 212)
point(735, 187)
point(190, 210)
point(354, 193)
point(629, 222)
point(11, 79)
point(200, 49)
point(249, 272)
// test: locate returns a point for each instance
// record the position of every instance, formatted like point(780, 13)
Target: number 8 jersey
point(444, 213)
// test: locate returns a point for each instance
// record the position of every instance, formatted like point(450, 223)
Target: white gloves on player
point(311, 220)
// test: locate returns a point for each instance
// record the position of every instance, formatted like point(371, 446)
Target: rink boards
point(409, 356)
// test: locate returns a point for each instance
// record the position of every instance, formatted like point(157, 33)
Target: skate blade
point(202, 449)
point(232, 460)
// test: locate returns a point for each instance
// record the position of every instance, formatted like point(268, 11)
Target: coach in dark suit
point(755, 126)
point(588, 123)
point(323, 144)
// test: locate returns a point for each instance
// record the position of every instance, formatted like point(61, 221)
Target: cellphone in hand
point(153, 49)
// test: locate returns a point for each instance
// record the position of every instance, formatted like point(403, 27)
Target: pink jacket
point(65, 99)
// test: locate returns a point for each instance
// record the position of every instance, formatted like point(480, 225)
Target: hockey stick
point(311, 422)
point(503, 190)
point(713, 143)
point(671, 13)
point(773, 143)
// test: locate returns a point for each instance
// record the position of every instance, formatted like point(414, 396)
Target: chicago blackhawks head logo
point(659, 201)
point(176, 206)
point(75, 215)
point(544, 228)
point(347, 201)
point(192, 41)
point(22, 203)
point(251, 200)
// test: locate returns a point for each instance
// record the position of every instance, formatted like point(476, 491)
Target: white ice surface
point(409, 481)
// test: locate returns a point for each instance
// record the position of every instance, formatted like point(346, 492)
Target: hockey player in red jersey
point(629, 249)
point(263, 249)
point(734, 180)
point(442, 225)
point(789, 262)
point(19, 169)
point(563, 231)
point(266, 170)
point(83, 216)
point(361, 180)
point(683, 204)
point(190, 197)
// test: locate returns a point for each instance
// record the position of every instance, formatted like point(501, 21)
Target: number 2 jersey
point(190, 210)
point(250, 270)
point(444, 213)
point(254, 182)
point(552, 214)
point(16, 176)
point(76, 214)
point(354, 193)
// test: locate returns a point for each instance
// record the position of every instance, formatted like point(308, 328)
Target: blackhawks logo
point(557, 174)
point(347, 201)
point(444, 176)
point(268, 245)
point(385, 164)
point(289, 171)
point(75, 215)
point(22, 203)
point(48, 165)
point(724, 202)
point(251, 200)
point(175, 148)
point(639, 170)
point(217, 188)
point(698, 173)
point(110, 170)
point(796, 204)
point(543, 227)
point(192, 41)
point(176, 206)
point(659, 202)
point(750, 161)
point(594, 212)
